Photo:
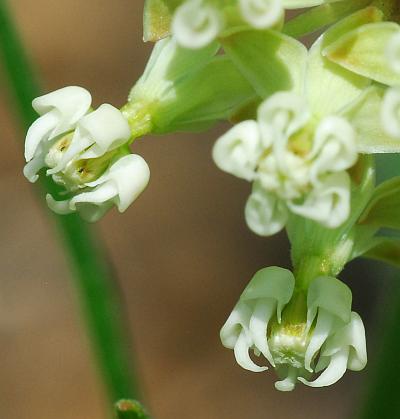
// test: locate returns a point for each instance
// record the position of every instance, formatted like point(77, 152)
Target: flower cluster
point(299, 335)
point(85, 152)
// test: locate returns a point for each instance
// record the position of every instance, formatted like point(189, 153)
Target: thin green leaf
point(383, 209)
point(385, 250)
point(98, 296)
point(321, 16)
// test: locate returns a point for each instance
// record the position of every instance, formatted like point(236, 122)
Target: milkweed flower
point(85, 151)
point(299, 335)
point(297, 162)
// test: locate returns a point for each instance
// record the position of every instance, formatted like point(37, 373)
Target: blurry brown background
point(182, 254)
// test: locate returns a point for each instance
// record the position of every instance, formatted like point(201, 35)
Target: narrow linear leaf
point(385, 250)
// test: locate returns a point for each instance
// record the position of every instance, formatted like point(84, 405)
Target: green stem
point(130, 409)
point(96, 288)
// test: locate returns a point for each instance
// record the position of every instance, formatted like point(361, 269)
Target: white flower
point(299, 162)
point(298, 339)
point(85, 152)
point(60, 111)
point(120, 185)
point(195, 24)
point(261, 14)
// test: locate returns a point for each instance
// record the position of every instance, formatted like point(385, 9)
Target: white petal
point(328, 203)
point(286, 112)
point(237, 152)
point(33, 166)
point(265, 214)
point(319, 335)
point(333, 373)
point(196, 24)
point(98, 196)
point(59, 207)
point(237, 321)
point(334, 147)
point(241, 351)
point(129, 175)
point(261, 14)
point(258, 326)
point(70, 103)
point(351, 335)
point(272, 283)
point(330, 294)
point(102, 130)
point(289, 383)
point(393, 52)
point(38, 132)
point(390, 112)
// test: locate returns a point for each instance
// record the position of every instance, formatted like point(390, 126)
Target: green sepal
point(383, 208)
point(321, 16)
point(157, 17)
point(363, 51)
point(384, 249)
point(270, 60)
point(329, 87)
point(365, 116)
point(202, 100)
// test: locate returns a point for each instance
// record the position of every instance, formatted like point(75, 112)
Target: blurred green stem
point(130, 409)
point(96, 288)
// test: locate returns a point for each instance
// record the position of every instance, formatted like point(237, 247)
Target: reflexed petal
point(351, 335)
point(241, 351)
point(38, 132)
point(69, 104)
point(59, 207)
point(258, 326)
point(261, 14)
point(238, 151)
point(32, 167)
point(129, 176)
point(237, 321)
point(333, 373)
point(334, 148)
point(393, 52)
point(329, 203)
point(286, 112)
point(265, 214)
point(319, 336)
point(289, 383)
point(390, 112)
point(196, 24)
point(273, 283)
point(98, 196)
point(330, 294)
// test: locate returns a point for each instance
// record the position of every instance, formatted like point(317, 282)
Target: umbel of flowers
point(306, 126)
point(299, 332)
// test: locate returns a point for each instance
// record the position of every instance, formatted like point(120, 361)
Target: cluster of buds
point(299, 332)
point(85, 151)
